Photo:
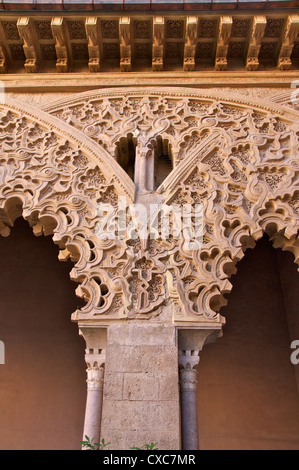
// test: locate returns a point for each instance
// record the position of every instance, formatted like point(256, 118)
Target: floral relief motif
point(235, 158)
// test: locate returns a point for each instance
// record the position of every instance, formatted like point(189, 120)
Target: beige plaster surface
point(43, 381)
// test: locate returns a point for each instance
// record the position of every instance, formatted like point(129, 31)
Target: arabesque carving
point(236, 157)
point(55, 181)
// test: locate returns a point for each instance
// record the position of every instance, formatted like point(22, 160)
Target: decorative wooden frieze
point(225, 26)
point(162, 42)
point(257, 34)
point(61, 46)
point(30, 44)
point(290, 36)
point(190, 43)
point(91, 26)
point(125, 44)
point(158, 43)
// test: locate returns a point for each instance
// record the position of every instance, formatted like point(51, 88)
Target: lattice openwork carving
point(55, 182)
point(237, 157)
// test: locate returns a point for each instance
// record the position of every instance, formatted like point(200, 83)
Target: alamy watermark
point(155, 221)
point(2, 353)
point(295, 354)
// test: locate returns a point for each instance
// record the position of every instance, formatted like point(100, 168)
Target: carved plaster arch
point(55, 179)
point(237, 155)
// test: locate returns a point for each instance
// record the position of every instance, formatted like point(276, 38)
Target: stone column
point(188, 362)
point(191, 342)
point(95, 360)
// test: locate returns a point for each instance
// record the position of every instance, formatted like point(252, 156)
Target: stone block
point(143, 387)
point(134, 334)
point(113, 385)
point(169, 387)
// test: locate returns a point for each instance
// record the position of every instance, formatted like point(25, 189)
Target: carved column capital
point(188, 362)
point(190, 43)
point(95, 339)
point(95, 361)
point(191, 342)
point(95, 355)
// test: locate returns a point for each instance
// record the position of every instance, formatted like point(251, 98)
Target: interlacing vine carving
point(237, 158)
point(56, 185)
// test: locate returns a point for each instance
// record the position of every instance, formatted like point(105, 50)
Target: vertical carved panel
point(61, 46)
point(190, 43)
point(91, 26)
point(125, 44)
point(257, 34)
point(158, 44)
point(4, 60)
point(225, 27)
point(27, 33)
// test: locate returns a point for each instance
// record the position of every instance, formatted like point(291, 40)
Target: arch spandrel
point(238, 157)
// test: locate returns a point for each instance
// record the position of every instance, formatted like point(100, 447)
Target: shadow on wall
point(247, 392)
point(43, 381)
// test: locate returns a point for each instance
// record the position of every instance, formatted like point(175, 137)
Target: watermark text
point(295, 354)
point(157, 221)
point(2, 353)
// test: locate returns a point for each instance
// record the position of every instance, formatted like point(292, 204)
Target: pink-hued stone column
point(95, 380)
point(95, 360)
point(188, 362)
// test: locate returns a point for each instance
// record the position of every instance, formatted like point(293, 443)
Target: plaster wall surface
point(247, 394)
point(43, 381)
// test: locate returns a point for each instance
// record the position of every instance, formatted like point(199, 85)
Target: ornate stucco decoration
point(236, 156)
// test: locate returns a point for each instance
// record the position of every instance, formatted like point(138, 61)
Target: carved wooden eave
point(143, 42)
